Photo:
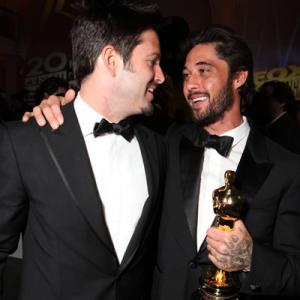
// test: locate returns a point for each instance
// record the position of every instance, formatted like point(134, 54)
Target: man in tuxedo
point(87, 196)
point(263, 250)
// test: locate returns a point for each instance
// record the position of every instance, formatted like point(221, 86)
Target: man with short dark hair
point(87, 197)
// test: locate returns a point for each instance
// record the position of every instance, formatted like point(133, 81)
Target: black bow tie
point(123, 128)
point(222, 144)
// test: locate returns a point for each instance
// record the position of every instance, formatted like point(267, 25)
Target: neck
point(230, 120)
point(99, 97)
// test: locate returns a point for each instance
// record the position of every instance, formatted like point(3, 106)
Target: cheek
point(212, 87)
point(185, 90)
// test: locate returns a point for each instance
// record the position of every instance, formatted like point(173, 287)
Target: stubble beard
point(217, 107)
point(148, 111)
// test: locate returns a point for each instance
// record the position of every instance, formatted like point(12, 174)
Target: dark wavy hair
point(231, 48)
point(103, 22)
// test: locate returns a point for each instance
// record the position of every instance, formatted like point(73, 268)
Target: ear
point(110, 59)
point(239, 79)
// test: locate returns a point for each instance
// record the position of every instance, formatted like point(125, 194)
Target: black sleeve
point(13, 203)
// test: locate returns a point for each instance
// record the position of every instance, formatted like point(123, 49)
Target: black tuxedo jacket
point(48, 192)
point(269, 178)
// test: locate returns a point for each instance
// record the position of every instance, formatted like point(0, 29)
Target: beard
point(217, 106)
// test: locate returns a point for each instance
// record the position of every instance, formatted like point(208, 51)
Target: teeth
point(150, 89)
point(202, 98)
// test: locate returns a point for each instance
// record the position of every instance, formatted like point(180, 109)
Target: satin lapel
point(143, 226)
point(190, 173)
point(254, 166)
point(68, 152)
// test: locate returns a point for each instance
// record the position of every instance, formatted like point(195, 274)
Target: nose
point(192, 82)
point(159, 75)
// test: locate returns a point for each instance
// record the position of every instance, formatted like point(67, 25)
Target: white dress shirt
point(119, 174)
point(212, 175)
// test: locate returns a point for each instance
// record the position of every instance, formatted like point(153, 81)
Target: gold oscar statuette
point(216, 284)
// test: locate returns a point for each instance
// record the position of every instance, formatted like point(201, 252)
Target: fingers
point(55, 111)
point(52, 108)
point(230, 251)
point(69, 96)
point(218, 246)
point(219, 260)
point(215, 233)
point(38, 115)
point(27, 115)
point(239, 226)
point(49, 111)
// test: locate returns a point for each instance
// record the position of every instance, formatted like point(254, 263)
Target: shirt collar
point(239, 132)
point(87, 116)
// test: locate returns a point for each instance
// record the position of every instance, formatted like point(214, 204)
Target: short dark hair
point(279, 91)
point(119, 23)
point(231, 48)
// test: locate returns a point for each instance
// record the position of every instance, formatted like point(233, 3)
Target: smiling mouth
point(150, 89)
point(198, 99)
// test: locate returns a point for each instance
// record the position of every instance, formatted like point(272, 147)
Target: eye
point(153, 62)
point(204, 70)
point(185, 75)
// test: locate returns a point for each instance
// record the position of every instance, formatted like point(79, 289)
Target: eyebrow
point(154, 54)
point(203, 63)
point(199, 63)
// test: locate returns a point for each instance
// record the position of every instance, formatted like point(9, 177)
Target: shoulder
point(281, 154)
point(19, 138)
point(20, 129)
point(23, 137)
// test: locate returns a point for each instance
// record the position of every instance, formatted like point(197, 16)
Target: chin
point(148, 111)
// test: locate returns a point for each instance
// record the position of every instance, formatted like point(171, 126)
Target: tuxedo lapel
point(67, 149)
point(190, 173)
point(254, 166)
point(186, 165)
point(144, 223)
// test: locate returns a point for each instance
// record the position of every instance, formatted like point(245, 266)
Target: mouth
point(150, 89)
point(193, 99)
